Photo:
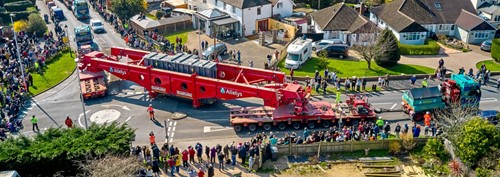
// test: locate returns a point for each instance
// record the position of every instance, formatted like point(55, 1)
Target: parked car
point(490, 115)
point(219, 49)
point(97, 26)
point(323, 43)
point(486, 45)
point(336, 50)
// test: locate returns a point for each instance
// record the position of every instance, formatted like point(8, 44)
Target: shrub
point(434, 148)
point(495, 49)
point(160, 14)
point(388, 44)
point(482, 172)
point(18, 6)
point(322, 61)
point(477, 137)
point(20, 25)
point(430, 47)
point(395, 147)
point(36, 24)
point(408, 142)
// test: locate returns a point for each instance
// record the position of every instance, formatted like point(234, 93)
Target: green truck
point(459, 90)
point(80, 9)
point(83, 37)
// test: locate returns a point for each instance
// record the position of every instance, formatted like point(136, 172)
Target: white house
point(343, 24)
point(473, 29)
point(245, 17)
point(412, 21)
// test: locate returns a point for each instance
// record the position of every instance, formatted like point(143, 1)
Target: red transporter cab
point(185, 76)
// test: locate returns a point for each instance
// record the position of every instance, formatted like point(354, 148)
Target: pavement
point(127, 103)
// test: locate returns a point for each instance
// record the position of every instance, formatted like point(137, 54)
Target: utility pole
point(19, 55)
point(81, 95)
point(319, 4)
point(215, 42)
point(166, 130)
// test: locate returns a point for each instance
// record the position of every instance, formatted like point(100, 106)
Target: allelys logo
point(231, 92)
point(118, 71)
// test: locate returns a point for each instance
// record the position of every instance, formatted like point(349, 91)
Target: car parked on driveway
point(323, 43)
point(340, 51)
point(486, 45)
point(219, 49)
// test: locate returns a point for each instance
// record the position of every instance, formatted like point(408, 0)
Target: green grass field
point(183, 34)
point(349, 68)
point(58, 69)
point(492, 65)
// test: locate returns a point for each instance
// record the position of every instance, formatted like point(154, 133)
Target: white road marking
point(175, 124)
point(208, 129)
point(395, 104)
point(128, 119)
point(169, 129)
point(173, 129)
point(487, 100)
point(80, 118)
point(170, 124)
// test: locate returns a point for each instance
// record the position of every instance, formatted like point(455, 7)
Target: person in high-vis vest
point(425, 83)
point(34, 121)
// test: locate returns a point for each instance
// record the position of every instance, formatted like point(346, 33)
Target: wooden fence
point(329, 147)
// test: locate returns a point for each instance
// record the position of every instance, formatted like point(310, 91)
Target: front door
point(262, 25)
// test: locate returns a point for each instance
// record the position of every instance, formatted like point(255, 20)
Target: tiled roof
point(336, 17)
point(363, 25)
point(488, 8)
point(470, 22)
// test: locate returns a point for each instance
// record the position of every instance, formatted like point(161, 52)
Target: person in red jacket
point(171, 163)
point(185, 155)
point(191, 154)
point(68, 122)
point(201, 173)
point(151, 112)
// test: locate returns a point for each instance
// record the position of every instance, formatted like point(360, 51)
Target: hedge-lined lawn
point(58, 69)
point(349, 68)
point(492, 65)
point(183, 34)
point(430, 47)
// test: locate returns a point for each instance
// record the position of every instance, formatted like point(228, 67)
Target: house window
point(216, 1)
point(452, 27)
point(438, 5)
point(333, 35)
point(258, 11)
point(280, 5)
point(444, 27)
point(497, 18)
point(481, 34)
point(412, 36)
point(234, 9)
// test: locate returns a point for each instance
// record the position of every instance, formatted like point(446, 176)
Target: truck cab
point(461, 89)
point(299, 51)
point(80, 9)
point(83, 36)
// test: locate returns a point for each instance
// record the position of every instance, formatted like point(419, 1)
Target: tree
point(477, 138)
point(388, 43)
point(110, 165)
point(322, 62)
point(36, 25)
point(160, 14)
point(126, 9)
point(495, 49)
point(452, 119)
point(369, 50)
point(20, 25)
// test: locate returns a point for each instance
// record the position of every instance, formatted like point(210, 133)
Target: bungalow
point(473, 29)
point(490, 12)
point(245, 17)
point(343, 24)
point(412, 21)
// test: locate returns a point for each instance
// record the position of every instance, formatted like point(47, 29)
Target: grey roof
point(212, 13)
point(363, 25)
point(146, 23)
point(470, 22)
point(488, 8)
point(402, 14)
point(337, 17)
point(243, 4)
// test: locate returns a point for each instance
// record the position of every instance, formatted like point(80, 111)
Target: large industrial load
point(183, 63)
point(459, 90)
point(80, 9)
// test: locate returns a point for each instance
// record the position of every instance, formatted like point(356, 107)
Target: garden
point(430, 47)
point(453, 43)
point(20, 8)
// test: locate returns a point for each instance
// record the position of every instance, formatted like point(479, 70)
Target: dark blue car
point(490, 115)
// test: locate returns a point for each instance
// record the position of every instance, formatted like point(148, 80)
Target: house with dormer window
point(412, 21)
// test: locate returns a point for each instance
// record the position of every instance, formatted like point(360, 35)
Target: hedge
point(21, 15)
point(60, 149)
point(3, 2)
point(430, 47)
point(18, 6)
point(495, 49)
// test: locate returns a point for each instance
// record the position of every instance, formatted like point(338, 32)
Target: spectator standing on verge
point(34, 121)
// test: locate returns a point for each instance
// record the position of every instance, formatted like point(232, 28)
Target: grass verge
point(57, 69)
point(492, 65)
point(348, 68)
point(183, 34)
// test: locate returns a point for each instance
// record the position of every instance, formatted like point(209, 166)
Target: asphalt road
point(127, 103)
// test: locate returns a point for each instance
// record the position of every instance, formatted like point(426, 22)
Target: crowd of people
point(33, 54)
point(198, 160)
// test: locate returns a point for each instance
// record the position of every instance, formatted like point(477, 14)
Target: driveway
point(250, 49)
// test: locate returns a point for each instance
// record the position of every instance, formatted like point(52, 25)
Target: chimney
point(361, 8)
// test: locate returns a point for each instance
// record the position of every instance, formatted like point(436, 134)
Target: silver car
point(486, 45)
point(219, 49)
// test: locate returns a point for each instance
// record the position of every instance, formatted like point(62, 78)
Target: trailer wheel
point(311, 125)
point(325, 124)
point(252, 127)
point(237, 128)
point(267, 126)
point(296, 125)
point(282, 126)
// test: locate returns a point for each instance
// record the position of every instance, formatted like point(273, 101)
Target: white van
point(299, 51)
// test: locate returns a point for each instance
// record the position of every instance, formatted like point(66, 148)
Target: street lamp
point(18, 55)
point(67, 36)
point(340, 117)
point(81, 94)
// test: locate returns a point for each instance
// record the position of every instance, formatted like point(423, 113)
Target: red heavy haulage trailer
point(183, 75)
